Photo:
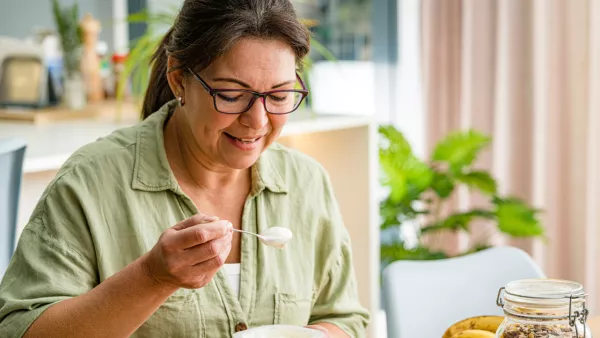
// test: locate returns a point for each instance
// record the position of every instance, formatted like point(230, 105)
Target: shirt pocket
point(179, 316)
point(292, 309)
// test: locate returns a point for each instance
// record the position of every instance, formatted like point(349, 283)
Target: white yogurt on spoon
point(276, 236)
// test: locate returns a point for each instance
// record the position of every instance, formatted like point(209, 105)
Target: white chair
point(423, 298)
point(12, 153)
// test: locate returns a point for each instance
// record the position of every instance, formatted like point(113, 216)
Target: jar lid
point(549, 292)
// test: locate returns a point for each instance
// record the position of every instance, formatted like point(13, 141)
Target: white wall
point(154, 5)
point(410, 117)
point(397, 92)
point(120, 27)
point(19, 18)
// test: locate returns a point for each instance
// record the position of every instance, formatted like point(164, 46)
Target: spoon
point(274, 236)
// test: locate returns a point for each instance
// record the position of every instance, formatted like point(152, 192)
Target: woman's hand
point(330, 330)
point(320, 328)
point(189, 254)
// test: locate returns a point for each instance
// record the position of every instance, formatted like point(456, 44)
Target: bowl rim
point(315, 333)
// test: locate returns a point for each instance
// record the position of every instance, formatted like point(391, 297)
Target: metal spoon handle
point(247, 232)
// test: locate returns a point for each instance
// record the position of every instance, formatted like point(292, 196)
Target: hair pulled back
point(205, 29)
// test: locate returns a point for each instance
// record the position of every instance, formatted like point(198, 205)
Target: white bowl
point(279, 331)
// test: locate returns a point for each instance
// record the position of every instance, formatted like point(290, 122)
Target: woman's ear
point(175, 77)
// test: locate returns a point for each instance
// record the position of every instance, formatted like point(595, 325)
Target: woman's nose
point(255, 117)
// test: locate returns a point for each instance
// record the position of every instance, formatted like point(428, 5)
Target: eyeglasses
point(238, 101)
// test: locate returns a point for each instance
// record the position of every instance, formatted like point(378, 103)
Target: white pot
point(74, 95)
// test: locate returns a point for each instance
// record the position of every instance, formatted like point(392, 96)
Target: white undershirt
point(233, 274)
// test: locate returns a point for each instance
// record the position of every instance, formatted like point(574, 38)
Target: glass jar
point(543, 308)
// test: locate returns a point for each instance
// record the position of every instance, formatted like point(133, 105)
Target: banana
point(483, 323)
point(474, 334)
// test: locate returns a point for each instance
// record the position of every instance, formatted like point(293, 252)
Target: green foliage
point(391, 253)
point(458, 221)
point(406, 175)
point(71, 36)
point(459, 150)
point(137, 66)
point(479, 180)
point(516, 218)
point(418, 190)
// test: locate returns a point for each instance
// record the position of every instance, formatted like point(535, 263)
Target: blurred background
point(469, 124)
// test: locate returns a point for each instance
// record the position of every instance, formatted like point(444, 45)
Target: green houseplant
point(69, 31)
point(71, 40)
point(418, 190)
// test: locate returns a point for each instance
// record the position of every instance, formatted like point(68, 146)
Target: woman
point(131, 237)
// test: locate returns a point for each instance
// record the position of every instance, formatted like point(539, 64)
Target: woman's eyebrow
point(284, 83)
point(228, 79)
point(245, 85)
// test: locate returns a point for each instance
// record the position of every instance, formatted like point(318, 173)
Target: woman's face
point(236, 141)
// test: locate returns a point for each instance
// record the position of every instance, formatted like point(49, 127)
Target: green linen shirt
point(113, 198)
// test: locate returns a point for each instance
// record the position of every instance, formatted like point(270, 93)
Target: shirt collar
point(152, 171)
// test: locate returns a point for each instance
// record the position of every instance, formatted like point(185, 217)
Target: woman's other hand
point(189, 254)
point(330, 330)
point(320, 328)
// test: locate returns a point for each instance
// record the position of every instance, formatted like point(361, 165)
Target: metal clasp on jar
point(574, 315)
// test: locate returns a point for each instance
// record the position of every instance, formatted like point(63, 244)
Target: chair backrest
point(423, 298)
point(12, 154)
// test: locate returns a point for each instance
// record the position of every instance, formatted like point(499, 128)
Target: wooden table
point(595, 326)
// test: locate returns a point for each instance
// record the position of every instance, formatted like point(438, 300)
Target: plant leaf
point(138, 17)
point(394, 214)
point(395, 180)
point(479, 179)
point(459, 149)
point(70, 33)
point(321, 49)
point(164, 16)
point(517, 219)
point(406, 175)
point(395, 252)
point(395, 140)
point(459, 221)
point(442, 184)
point(476, 248)
point(137, 64)
point(389, 214)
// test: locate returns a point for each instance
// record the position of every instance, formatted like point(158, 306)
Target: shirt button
point(241, 327)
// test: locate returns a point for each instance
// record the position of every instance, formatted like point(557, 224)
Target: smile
point(244, 140)
point(245, 143)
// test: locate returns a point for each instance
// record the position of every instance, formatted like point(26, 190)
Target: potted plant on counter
point(417, 192)
point(70, 34)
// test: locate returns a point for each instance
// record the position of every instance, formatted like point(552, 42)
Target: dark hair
point(205, 29)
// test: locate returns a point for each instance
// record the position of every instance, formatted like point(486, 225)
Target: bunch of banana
point(475, 327)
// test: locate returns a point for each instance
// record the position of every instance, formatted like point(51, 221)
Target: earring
point(180, 101)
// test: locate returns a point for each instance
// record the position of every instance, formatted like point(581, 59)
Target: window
point(342, 26)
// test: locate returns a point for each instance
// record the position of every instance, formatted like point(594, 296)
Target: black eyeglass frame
point(214, 92)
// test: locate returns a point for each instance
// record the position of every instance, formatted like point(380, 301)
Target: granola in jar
point(538, 331)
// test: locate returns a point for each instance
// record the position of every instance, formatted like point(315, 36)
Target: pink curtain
point(528, 74)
